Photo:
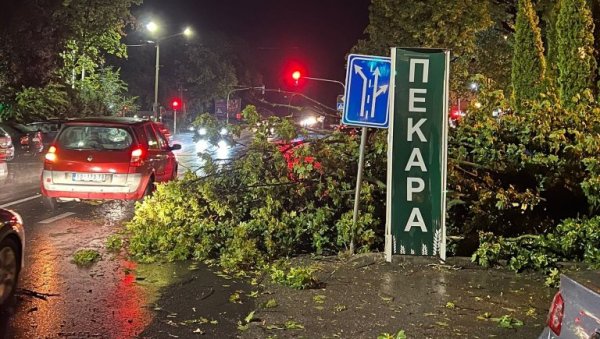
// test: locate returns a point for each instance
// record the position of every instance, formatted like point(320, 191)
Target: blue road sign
point(367, 91)
point(340, 103)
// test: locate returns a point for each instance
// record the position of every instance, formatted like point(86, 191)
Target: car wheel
point(174, 176)
point(50, 203)
point(149, 189)
point(10, 257)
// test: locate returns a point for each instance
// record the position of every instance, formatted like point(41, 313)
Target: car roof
point(108, 120)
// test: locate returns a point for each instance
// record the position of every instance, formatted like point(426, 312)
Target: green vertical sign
point(417, 148)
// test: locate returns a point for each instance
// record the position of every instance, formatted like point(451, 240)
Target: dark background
point(315, 35)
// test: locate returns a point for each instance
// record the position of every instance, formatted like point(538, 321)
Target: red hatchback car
point(107, 158)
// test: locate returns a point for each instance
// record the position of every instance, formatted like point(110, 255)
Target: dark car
point(12, 243)
point(7, 149)
point(27, 140)
point(48, 128)
point(107, 158)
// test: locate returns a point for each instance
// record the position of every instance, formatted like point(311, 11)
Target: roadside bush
point(572, 240)
point(528, 182)
point(523, 172)
point(254, 208)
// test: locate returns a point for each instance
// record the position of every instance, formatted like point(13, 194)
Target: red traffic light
point(296, 75)
point(176, 103)
point(293, 74)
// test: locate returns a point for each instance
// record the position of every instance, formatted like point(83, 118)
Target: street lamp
point(153, 27)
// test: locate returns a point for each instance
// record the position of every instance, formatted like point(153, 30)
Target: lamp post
point(262, 88)
point(152, 27)
point(155, 109)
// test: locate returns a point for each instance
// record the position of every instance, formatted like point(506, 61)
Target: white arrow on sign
point(377, 91)
point(359, 71)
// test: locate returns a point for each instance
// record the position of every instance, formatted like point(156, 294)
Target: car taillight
point(557, 311)
point(136, 156)
point(51, 155)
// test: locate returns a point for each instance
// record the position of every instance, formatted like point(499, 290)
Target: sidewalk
point(365, 297)
point(361, 297)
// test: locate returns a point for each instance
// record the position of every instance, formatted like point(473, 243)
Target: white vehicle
point(575, 309)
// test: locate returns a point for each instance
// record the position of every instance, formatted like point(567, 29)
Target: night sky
point(316, 33)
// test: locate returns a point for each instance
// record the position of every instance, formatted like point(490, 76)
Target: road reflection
point(3, 171)
point(128, 303)
point(59, 298)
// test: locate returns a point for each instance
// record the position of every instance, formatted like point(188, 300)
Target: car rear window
point(95, 137)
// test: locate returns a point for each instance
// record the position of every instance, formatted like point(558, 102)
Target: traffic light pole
point(326, 80)
point(237, 90)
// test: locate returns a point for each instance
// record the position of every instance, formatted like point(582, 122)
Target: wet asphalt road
point(115, 298)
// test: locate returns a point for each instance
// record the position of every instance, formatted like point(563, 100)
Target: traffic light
point(293, 73)
point(176, 104)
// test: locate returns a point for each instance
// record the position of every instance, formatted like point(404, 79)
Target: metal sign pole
point(174, 122)
point(364, 104)
point(361, 161)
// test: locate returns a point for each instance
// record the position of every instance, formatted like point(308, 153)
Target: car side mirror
point(175, 147)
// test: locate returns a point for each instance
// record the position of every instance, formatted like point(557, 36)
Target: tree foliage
point(102, 93)
point(576, 62)
point(57, 49)
point(455, 25)
point(33, 103)
point(207, 72)
point(550, 15)
point(30, 42)
point(572, 240)
point(525, 171)
point(273, 200)
point(529, 63)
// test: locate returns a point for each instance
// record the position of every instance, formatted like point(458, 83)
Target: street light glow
point(307, 122)
point(187, 32)
point(152, 27)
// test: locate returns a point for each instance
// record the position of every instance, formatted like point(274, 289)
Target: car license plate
point(95, 177)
